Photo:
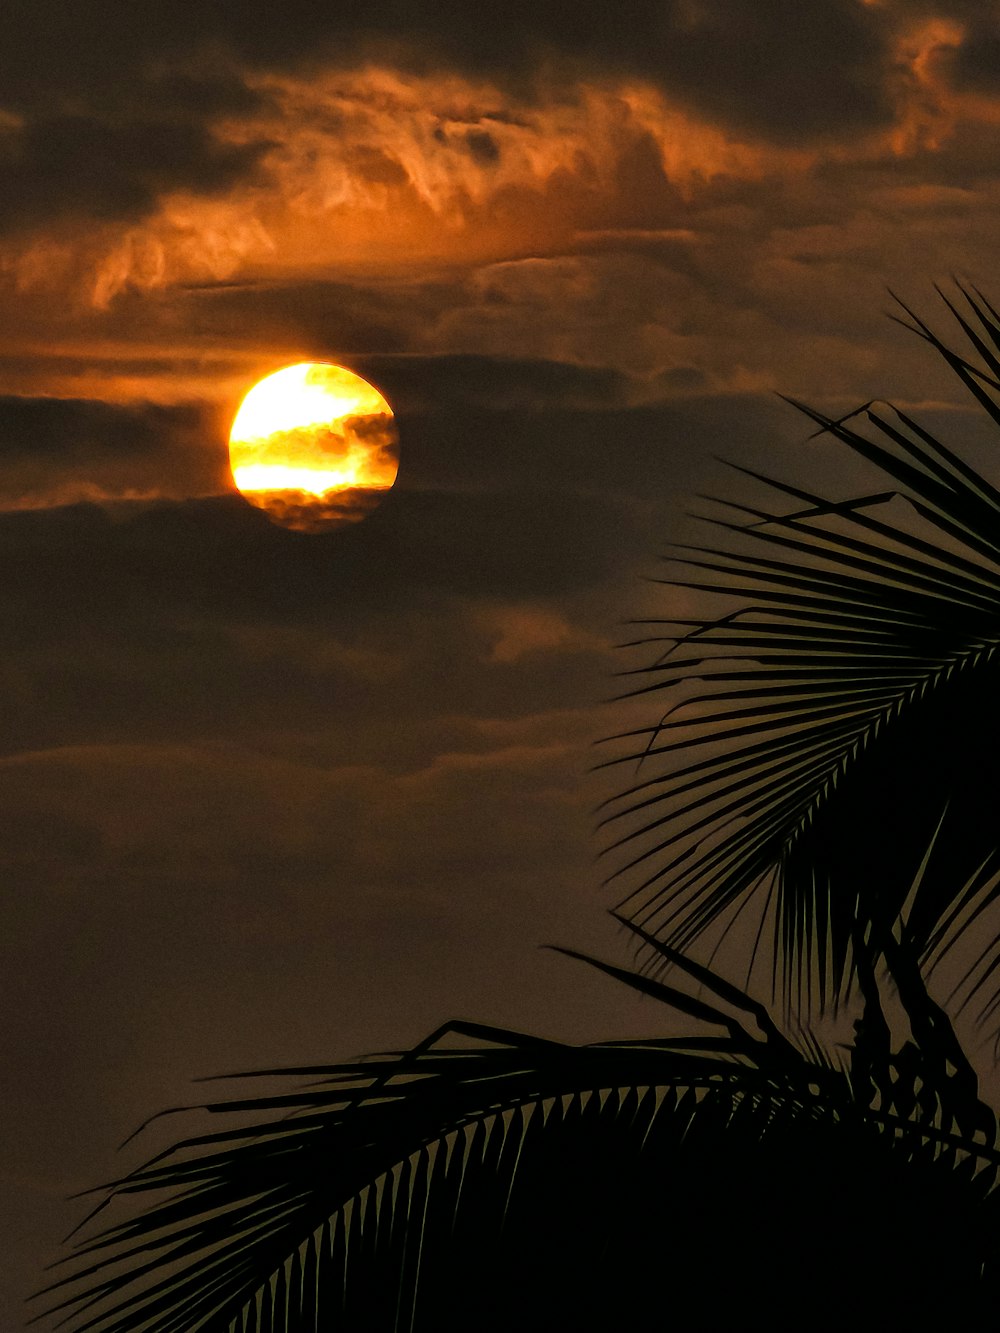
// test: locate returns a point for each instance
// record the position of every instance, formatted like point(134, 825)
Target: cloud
point(716, 53)
point(245, 827)
point(968, 61)
point(60, 427)
point(444, 385)
point(398, 136)
point(79, 166)
point(60, 451)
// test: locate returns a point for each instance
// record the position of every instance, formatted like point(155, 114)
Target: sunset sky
point(271, 798)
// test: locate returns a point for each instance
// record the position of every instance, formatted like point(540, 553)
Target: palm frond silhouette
point(833, 751)
point(851, 706)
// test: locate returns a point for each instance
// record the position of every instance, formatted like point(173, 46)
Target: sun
point(314, 446)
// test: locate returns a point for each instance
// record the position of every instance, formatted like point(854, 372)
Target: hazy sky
point(268, 798)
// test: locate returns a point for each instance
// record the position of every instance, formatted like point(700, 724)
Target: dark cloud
point(66, 427)
point(780, 69)
point(774, 68)
point(322, 316)
point(753, 61)
point(221, 558)
point(974, 64)
point(482, 145)
point(80, 166)
point(57, 449)
point(444, 384)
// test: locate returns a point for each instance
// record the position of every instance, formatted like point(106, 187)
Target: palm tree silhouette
point(830, 761)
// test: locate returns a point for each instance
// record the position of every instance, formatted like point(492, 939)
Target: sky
point(274, 798)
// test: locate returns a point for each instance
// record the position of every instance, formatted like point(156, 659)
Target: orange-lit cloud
point(377, 170)
point(373, 169)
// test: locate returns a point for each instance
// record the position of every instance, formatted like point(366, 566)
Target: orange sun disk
point(314, 446)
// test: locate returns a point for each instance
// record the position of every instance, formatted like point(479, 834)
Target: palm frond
point(515, 1182)
point(849, 706)
point(374, 1162)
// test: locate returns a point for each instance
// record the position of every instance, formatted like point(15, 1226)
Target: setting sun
point(314, 446)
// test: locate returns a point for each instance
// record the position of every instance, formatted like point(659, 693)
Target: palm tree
point(829, 761)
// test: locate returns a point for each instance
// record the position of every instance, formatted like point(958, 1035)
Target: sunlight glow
point(314, 446)
point(309, 394)
point(314, 481)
